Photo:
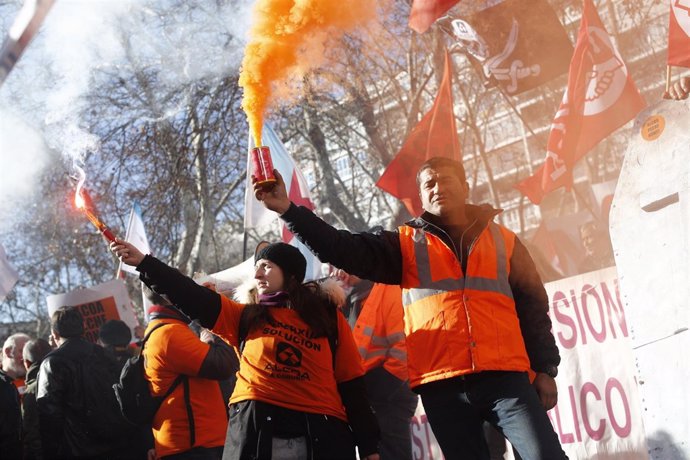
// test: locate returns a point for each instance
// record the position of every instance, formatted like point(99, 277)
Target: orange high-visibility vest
point(459, 323)
point(380, 333)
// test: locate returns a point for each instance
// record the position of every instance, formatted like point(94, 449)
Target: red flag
point(425, 12)
point(435, 135)
point(679, 33)
point(600, 98)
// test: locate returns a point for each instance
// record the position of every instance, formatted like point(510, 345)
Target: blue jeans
point(457, 407)
point(394, 405)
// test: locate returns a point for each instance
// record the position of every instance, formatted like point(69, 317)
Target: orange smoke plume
point(287, 40)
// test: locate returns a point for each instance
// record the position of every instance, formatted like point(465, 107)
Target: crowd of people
point(449, 307)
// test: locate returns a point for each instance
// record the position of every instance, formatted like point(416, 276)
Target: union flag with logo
point(679, 33)
point(600, 98)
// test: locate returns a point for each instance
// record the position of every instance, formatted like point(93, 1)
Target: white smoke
point(22, 156)
point(183, 40)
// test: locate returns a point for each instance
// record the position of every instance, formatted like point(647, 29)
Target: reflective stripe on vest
point(427, 287)
point(396, 353)
point(385, 344)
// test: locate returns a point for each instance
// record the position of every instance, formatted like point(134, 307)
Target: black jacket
point(66, 384)
point(199, 302)
point(10, 419)
point(377, 257)
point(31, 433)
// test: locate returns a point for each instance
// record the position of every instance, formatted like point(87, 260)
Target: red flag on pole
point(600, 98)
point(435, 135)
point(679, 33)
point(425, 12)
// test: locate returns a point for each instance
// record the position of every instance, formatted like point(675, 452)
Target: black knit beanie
point(288, 258)
point(115, 333)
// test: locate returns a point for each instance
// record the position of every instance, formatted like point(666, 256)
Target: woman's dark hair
point(315, 309)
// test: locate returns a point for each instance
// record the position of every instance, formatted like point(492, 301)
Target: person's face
point(589, 240)
point(441, 190)
point(268, 276)
point(13, 362)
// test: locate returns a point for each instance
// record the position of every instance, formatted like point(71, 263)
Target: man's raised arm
point(372, 256)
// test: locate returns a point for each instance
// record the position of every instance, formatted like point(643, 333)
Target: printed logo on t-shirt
point(288, 355)
point(288, 363)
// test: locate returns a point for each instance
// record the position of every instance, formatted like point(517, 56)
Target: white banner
point(97, 305)
point(8, 275)
point(598, 415)
point(136, 234)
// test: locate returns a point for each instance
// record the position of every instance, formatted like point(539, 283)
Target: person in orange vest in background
point(375, 314)
point(476, 311)
point(192, 420)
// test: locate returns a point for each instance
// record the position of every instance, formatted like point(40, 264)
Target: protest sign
point(97, 305)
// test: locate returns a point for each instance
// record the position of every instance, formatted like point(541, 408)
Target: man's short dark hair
point(437, 162)
point(115, 333)
point(35, 350)
point(67, 322)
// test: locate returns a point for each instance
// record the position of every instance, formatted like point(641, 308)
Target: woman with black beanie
point(300, 389)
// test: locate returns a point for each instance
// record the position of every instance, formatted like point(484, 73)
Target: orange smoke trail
point(288, 39)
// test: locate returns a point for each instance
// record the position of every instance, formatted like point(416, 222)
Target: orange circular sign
point(653, 127)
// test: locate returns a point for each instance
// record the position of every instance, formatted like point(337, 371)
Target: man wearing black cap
point(114, 335)
point(476, 312)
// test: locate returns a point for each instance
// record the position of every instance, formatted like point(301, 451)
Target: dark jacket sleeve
point(372, 256)
point(360, 416)
point(10, 420)
point(54, 379)
point(220, 363)
point(197, 302)
point(532, 305)
point(32, 436)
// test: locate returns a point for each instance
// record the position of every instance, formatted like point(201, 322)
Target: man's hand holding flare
point(273, 196)
point(126, 252)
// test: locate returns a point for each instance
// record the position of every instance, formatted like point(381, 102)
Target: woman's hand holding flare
point(126, 252)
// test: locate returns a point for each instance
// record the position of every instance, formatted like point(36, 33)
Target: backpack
point(100, 417)
point(135, 401)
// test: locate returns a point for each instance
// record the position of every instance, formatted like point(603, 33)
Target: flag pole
point(118, 274)
point(667, 92)
point(244, 233)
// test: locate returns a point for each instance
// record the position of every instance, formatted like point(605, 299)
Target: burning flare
point(286, 41)
point(83, 203)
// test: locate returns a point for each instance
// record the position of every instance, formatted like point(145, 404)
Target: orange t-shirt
point(170, 351)
point(286, 366)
